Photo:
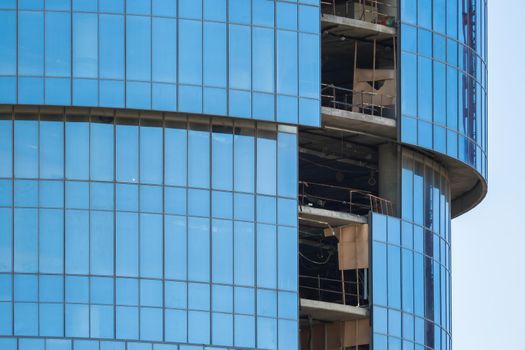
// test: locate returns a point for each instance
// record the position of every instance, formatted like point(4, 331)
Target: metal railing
point(373, 11)
point(369, 103)
point(342, 199)
point(339, 291)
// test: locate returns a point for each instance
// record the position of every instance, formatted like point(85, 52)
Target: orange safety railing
point(362, 102)
point(342, 199)
point(373, 11)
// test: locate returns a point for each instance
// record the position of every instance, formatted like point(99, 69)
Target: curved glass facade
point(147, 230)
point(444, 78)
point(411, 263)
point(254, 59)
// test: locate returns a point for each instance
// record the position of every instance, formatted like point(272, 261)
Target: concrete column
point(390, 175)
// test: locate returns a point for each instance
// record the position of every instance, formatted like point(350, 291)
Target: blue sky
point(488, 243)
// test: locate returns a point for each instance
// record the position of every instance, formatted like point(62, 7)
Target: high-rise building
point(236, 174)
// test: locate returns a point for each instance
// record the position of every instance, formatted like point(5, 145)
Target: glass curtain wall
point(158, 229)
point(444, 78)
point(256, 59)
point(411, 263)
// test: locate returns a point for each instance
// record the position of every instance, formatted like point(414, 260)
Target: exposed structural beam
point(370, 124)
point(331, 312)
point(329, 217)
point(356, 28)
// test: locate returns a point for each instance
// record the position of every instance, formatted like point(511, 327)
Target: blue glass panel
point(30, 43)
point(151, 324)
point(287, 62)
point(77, 289)
point(198, 249)
point(51, 241)
point(309, 73)
point(190, 48)
point(266, 209)
point(222, 158)
point(244, 162)
point(288, 335)
point(263, 106)
point(263, 13)
point(26, 193)
point(176, 325)
point(287, 165)
point(77, 151)
point(151, 155)
point(77, 242)
point(6, 325)
point(138, 95)
point(244, 331)
point(222, 331)
point(101, 151)
point(26, 149)
point(214, 46)
point(190, 99)
point(30, 90)
point(215, 101)
point(138, 7)
point(127, 319)
point(198, 157)
point(222, 298)
point(199, 202)
point(164, 49)
point(286, 16)
point(175, 156)
point(101, 196)
point(175, 200)
point(240, 57)
point(222, 205)
point(215, 10)
point(190, 9)
point(101, 321)
point(164, 97)
point(150, 245)
point(26, 319)
point(308, 19)
point(266, 303)
point(8, 43)
point(222, 251)
point(127, 291)
point(26, 240)
point(127, 153)
point(266, 164)
point(8, 90)
point(151, 293)
point(266, 256)
point(6, 148)
point(138, 46)
point(409, 84)
point(199, 296)
point(263, 59)
point(111, 46)
point(25, 288)
point(244, 260)
point(58, 44)
point(199, 327)
point(288, 305)
point(240, 103)
point(175, 294)
point(175, 247)
point(244, 300)
point(57, 91)
point(165, 8)
point(85, 45)
point(266, 333)
point(244, 207)
point(287, 262)
point(239, 11)
point(101, 243)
